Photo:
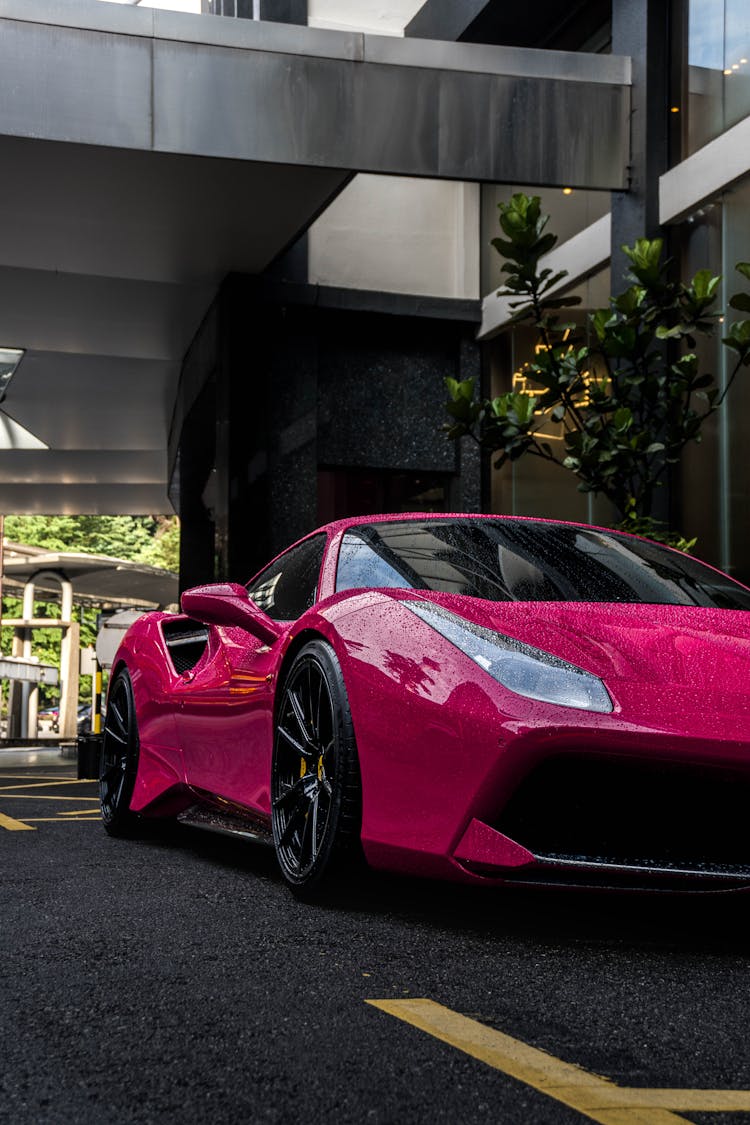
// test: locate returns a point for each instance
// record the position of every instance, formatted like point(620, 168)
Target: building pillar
point(640, 28)
point(196, 489)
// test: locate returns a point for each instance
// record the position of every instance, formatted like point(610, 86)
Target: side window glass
point(359, 566)
point(289, 586)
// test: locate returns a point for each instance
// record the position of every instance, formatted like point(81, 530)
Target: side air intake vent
point(186, 642)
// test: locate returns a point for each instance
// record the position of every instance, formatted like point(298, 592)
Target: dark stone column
point(640, 28)
point(194, 474)
point(289, 386)
point(242, 433)
point(266, 455)
point(472, 465)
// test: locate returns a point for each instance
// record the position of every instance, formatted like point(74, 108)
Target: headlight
point(518, 667)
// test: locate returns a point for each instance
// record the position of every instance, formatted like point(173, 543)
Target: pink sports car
point(479, 698)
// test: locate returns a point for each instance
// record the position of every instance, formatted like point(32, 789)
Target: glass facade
point(714, 489)
point(531, 486)
point(710, 492)
point(735, 464)
point(718, 70)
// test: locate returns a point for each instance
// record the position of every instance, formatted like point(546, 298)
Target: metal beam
point(27, 671)
point(253, 91)
point(444, 19)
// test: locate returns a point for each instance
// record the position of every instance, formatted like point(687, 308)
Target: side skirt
point(226, 823)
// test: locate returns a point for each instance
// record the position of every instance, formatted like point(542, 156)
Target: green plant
point(629, 393)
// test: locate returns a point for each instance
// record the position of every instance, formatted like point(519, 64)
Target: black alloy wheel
point(119, 764)
point(315, 781)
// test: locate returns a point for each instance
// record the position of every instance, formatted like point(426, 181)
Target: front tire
point(119, 764)
point(315, 779)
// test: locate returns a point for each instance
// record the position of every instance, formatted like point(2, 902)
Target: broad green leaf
point(741, 302)
point(705, 284)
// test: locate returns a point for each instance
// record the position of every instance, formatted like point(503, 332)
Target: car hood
point(687, 646)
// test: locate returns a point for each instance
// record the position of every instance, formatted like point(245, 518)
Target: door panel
point(224, 719)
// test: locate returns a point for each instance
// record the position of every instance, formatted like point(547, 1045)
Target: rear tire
point(119, 763)
point(315, 779)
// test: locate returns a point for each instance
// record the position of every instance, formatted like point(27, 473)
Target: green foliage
point(630, 394)
point(655, 529)
point(163, 547)
point(120, 537)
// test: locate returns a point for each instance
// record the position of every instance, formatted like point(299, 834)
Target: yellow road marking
point(599, 1099)
point(41, 797)
point(43, 784)
point(28, 776)
point(14, 825)
point(77, 812)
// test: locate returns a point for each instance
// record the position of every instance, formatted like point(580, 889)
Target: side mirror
point(227, 603)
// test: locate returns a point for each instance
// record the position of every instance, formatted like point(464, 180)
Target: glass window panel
point(526, 560)
point(288, 587)
point(736, 62)
point(733, 419)
point(718, 68)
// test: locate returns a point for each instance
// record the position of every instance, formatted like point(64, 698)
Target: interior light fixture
point(567, 191)
point(9, 361)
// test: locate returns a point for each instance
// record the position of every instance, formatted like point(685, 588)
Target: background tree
point(135, 538)
point(629, 393)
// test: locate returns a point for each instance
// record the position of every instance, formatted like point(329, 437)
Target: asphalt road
point(176, 980)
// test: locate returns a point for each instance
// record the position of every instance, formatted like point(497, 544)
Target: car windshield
point(528, 560)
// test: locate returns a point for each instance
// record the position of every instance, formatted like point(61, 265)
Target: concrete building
point(241, 248)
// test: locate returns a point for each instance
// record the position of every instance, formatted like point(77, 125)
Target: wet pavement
point(174, 979)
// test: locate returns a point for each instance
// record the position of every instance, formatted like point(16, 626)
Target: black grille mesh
point(645, 813)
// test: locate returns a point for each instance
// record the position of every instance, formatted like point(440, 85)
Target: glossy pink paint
point(441, 744)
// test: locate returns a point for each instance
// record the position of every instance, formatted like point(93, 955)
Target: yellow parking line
point(41, 797)
point(27, 776)
point(43, 784)
point(599, 1099)
point(14, 825)
point(77, 812)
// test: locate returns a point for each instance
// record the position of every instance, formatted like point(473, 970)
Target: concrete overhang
point(96, 579)
point(146, 154)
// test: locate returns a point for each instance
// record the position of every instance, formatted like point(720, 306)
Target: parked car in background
point(49, 719)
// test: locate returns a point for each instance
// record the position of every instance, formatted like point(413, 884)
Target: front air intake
point(638, 813)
